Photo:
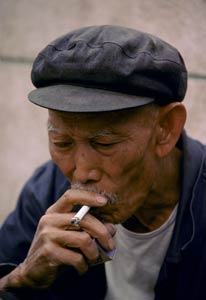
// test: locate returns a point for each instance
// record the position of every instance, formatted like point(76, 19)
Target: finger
point(57, 220)
point(63, 256)
point(111, 228)
point(63, 221)
point(74, 197)
point(74, 240)
point(82, 241)
point(56, 228)
point(49, 223)
point(99, 231)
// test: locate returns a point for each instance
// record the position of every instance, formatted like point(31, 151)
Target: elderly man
point(118, 150)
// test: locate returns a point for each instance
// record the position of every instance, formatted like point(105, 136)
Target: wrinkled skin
point(123, 155)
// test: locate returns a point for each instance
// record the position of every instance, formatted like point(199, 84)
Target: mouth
point(112, 198)
point(107, 213)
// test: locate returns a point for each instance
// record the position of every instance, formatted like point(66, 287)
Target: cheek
point(128, 173)
point(60, 160)
point(116, 213)
point(54, 155)
point(125, 165)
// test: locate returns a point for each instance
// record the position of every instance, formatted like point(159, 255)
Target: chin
point(111, 216)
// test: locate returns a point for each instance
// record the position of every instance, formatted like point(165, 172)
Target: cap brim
point(70, 98)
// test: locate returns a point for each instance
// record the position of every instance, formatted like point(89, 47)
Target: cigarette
point(80, 214)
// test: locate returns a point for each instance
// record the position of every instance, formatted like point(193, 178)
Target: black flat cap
point(104, 68)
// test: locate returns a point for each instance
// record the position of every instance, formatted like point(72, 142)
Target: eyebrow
point(101, 134)
point(52, 128)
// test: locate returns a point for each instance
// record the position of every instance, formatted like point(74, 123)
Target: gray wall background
point(27, 26)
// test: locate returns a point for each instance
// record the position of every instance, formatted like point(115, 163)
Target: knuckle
point(78, 260)
point(43, 221)
point(44, 235)
point(49, 210)
point(44, 229)
point(94, 255)
point(103, 232)
point(67, 194)
point(43, 238)
point(46, 221)
point(86, 239)
point(95, 260)
point(46, 250)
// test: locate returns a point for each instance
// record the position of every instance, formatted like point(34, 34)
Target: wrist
point(12, 280)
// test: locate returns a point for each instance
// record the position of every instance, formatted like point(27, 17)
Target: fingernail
point(111, 244)
point(101, 200)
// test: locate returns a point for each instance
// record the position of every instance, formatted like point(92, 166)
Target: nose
point(86, 168)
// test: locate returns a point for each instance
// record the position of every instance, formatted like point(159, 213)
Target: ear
point(171, 122)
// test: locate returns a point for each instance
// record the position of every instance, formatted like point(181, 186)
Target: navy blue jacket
point(183, 272)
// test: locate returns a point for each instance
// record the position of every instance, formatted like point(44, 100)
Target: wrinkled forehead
point(89, 123)
point(110, 117)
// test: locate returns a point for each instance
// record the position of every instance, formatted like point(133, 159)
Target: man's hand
point(57, 242)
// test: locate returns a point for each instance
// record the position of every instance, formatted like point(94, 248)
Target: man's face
point(106, 153)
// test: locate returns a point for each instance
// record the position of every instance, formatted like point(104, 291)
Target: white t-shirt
point(133, 272)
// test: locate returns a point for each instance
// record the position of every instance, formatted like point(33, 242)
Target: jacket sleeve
point(16, 234)
point(41, 191)
point(18, 229)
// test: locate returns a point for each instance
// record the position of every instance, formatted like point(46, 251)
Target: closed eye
point(103, 145)
point(62, 145)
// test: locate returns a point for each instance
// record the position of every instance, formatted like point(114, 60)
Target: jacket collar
point(192, 164)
